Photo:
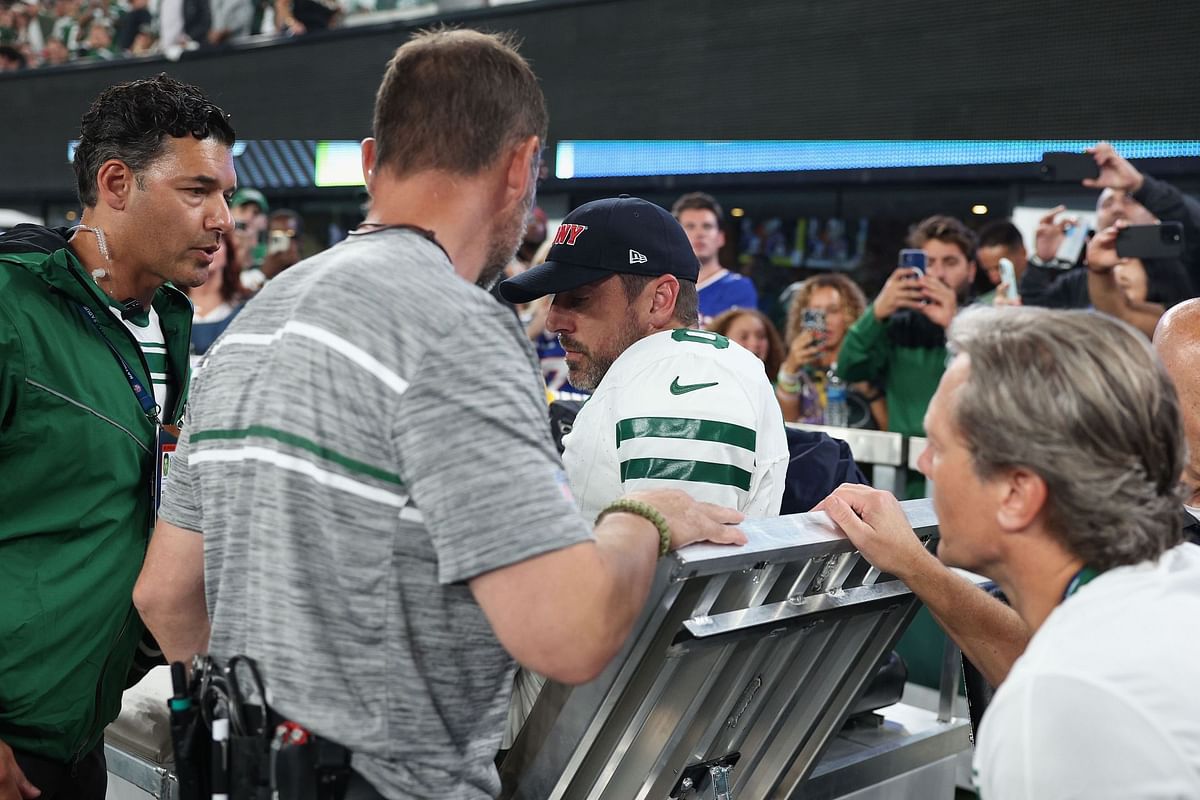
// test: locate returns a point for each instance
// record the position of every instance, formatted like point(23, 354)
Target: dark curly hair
point(130, 121)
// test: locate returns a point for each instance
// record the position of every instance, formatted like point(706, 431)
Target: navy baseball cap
point(617, 235)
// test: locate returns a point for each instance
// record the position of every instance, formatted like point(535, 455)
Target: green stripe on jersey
point(671, 469)
point(156, 361)
point(679, 428)
point(300, 442)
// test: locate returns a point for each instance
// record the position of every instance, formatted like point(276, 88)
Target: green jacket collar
point(64, 273)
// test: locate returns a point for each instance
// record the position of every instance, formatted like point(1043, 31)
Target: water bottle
point(836, 412)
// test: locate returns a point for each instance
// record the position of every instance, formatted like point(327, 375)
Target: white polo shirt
point(1105, 701)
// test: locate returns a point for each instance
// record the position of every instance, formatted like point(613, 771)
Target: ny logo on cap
point(568, 233)
point(637, 258)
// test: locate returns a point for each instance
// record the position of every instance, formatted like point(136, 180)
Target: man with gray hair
point(1073, 511)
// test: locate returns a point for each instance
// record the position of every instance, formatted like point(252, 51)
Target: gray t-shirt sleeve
point(476, 452)
point(180, 500)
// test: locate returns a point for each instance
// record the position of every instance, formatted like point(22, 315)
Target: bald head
point(1177, 341)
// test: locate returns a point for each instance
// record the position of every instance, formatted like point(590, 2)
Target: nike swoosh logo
point(684, 388)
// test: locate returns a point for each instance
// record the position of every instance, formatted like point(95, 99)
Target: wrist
point(918, 562)
point(626, 505)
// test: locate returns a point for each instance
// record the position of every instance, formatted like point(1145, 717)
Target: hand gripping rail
point(743, 665)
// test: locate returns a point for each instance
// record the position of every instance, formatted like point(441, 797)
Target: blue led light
point(604, 159)
point(239, 147)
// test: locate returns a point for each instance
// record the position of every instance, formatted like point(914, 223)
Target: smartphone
point(1008, 275)
point(1151, 241)
point(280, 242)
point(813, 319)
point(1068, 167)
point(914, 259)
point(1072, 244)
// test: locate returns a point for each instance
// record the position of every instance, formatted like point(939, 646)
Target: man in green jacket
point(900, 340)
point(93, 362)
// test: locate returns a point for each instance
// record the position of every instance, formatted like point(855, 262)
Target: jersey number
point(701, 337)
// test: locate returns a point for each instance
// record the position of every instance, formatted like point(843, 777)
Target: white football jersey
point(683, 409)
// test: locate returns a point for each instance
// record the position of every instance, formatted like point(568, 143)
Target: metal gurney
point(742, 667)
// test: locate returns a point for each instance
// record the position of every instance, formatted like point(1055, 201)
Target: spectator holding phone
point(284, 229)
point(900, 340)
point(818, 318)
point(250, 209)
point(1159, 198)
point(1120, 286)
point(999, 240)
point(1127, 197)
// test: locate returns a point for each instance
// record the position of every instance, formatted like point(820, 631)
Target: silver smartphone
point(1072, 245)
point(1008, 275)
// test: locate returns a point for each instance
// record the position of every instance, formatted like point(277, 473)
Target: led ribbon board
point(591, 158)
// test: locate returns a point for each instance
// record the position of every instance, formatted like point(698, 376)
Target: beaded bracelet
point(646, 511)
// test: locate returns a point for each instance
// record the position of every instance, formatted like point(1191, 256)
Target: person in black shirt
point(1128, 197)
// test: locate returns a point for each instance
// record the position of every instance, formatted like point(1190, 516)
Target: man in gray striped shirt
point(381, 543)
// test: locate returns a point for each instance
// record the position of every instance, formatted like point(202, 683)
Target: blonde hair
point(852, 298)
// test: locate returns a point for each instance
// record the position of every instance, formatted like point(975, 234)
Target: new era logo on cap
point(625, 236)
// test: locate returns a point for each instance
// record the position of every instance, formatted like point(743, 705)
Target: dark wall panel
point(707, 69)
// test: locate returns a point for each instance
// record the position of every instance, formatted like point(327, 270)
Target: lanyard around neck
point(1083, 577)
point(367, 228)
point(144, 398)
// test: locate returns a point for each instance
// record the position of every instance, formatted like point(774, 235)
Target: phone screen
point(813, 319)
point(280, 241)
point(1072, 246)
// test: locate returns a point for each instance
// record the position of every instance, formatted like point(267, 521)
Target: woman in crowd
point(216, 302)
point(832, 302)
point(753, 331)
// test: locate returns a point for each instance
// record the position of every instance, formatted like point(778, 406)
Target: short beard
point(596, 365)
point(589, 375)
point(506, 240)
point(962, 295)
